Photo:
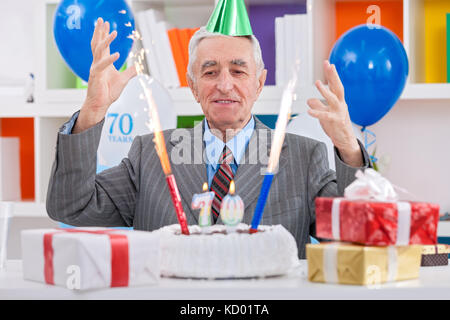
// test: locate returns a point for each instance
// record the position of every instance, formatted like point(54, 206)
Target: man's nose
point(224, 82)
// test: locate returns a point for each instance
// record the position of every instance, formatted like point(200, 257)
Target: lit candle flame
point(232, 188)
point(205, 187)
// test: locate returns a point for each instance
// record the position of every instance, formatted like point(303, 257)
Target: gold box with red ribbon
point(376, 223)
point(88, 258)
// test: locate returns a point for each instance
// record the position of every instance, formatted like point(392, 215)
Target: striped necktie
point(221, 181)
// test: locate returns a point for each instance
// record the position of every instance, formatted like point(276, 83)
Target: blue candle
point(257, 215)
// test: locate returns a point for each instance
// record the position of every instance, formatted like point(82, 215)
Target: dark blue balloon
point(74, 24)
point(373, 67)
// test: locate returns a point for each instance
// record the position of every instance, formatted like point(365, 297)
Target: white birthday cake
point(217, 254)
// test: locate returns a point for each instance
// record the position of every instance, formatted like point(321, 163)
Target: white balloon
point(128, 117)
point(305, 125)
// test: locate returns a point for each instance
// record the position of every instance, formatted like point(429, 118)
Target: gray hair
point(202, 33)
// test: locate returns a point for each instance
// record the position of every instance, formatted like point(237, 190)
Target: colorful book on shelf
point(170, 67)
point(192, 31)
point(10, 169)
point(448, 47)
point(150, 55)
point(153, 17)
point(279, 51)
point(301, 51)
point(262, 17)
point(435, 16)
point(178, 55)
point(185, 36)
point(80, 83)
point(292, 45)
point(23, 128)
point(289, 40)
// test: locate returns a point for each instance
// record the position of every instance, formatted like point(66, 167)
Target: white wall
point(415, 135)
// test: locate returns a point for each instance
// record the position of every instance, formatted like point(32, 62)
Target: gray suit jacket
point(135, 193)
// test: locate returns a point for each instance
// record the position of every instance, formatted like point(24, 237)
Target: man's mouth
point(225, 101)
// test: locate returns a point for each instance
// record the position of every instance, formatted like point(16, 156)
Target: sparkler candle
point(277, 142)
point(159, 141)
point(203, 201)
point(232, 209)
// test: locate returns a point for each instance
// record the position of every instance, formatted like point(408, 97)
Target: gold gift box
point(364, 265)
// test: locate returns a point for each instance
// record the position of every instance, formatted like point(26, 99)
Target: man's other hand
point(105, 83)
point(334, 117)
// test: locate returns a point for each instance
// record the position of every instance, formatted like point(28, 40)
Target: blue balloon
point(74, 24)
point(373, 67)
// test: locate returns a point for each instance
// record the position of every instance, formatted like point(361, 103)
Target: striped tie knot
point(227, 156)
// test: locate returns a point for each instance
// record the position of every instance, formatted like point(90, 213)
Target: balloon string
point(367, 143)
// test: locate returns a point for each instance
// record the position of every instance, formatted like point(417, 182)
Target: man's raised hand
point(334, 117)
point(105, 83)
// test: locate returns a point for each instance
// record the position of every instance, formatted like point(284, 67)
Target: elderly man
point(226, 75)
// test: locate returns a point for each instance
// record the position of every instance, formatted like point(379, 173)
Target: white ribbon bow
point(370, 185)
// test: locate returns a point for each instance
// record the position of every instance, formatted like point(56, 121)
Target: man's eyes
point(213, 72)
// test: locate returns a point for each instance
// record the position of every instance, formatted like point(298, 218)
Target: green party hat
point(230, 18)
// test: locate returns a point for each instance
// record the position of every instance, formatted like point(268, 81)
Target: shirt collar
point(214, 146)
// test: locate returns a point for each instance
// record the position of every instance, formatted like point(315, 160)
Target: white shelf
point(65, 102)
point(29, 110)
point(29, 209)
point(422, 91)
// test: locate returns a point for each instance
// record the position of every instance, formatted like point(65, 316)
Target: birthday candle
point(232, 209)
point(160, 144)
point(203, 201)
point(277, 142)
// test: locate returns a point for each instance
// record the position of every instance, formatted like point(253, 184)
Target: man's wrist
point(87, 119)
point(352, 156)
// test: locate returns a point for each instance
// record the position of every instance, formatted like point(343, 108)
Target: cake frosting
point(217, 254)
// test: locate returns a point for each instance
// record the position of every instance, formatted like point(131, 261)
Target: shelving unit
point(56, 100)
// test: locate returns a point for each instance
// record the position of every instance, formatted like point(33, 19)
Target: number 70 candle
point(203, 201)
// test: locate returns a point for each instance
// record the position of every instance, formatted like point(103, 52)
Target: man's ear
point(261, 81)
point(193, 87)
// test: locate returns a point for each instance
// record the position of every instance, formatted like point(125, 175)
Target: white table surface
point(433, 283)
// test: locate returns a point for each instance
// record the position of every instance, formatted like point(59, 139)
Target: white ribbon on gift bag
point(330, 265)
point(371, 186)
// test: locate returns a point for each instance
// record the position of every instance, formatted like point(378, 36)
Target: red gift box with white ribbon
point(376, 223)
point(372, 214)
point(88, 258)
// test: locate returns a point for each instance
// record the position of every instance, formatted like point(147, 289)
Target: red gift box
point(376, 223)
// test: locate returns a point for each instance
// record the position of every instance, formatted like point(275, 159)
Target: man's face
point(225, 81)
